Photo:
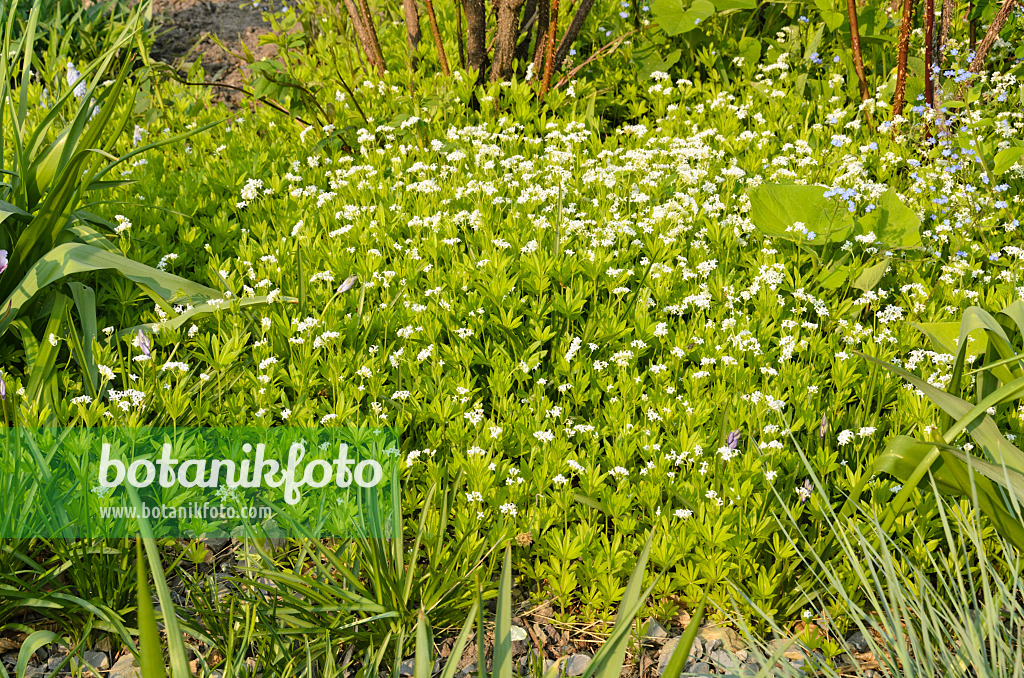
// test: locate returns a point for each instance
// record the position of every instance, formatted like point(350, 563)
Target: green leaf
point(151, 658)
point(829, 15)
point(71, 258)
point(777, 207)
point(676, 19)
point(1007, 158)
point(723, 5)
point(28, 648)
point(893, 222)
point(871, 276)
point(175, 644)
point(502, 663)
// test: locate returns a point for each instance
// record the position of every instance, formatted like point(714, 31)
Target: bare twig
point(572, 32)
point(929, 54)
point(991, 34)
point(901, 59)
point(598, 53)
point(412, 30)
point(543, 13)
point(363, 35)
point(858, 60)
point(438, 43)
point(550, 60)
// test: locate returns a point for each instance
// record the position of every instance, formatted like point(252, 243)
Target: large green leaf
point(71, 258)
point(895, 224)
point(1007, 158)
point(774, 208)
point(676, 18)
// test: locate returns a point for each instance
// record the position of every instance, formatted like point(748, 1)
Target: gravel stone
point(655, 631)
point(577, 664)
point(125, 667)
point(96, 659)
point(518, 633)
point(728, 638)
point(702, 669)
point(725, 660)
point(857, 642)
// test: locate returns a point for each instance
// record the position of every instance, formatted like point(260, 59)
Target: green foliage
point(954, 469)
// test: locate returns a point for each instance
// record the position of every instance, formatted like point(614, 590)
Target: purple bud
point(3, 388)
point(805, 491)
point(733, 439)
point(3, 260)
point(823, 429)
point(143, 343)
point(349, 283)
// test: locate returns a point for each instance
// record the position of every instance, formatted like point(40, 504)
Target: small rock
point(702, 669)
point(728, 638)
point(725, 660)
point(857, 642)
point(655, 631)
point(518, 633)
point(55, 661)
point(577, 664)
point(407, 668)
point(548, 663)
point(873, 673)
point(125, 667)
point(96, 660)
point(35, 671)
point(665, 656)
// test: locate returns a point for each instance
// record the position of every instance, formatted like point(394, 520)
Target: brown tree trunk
point(458, 30)
point(572, 32)
point(372, 33)
point(364, 36)
point(505, 39)
point(476, 40)
point(543, 14)
point(947, 22)
point(412, 30)
point(549, 61)
point(438, 42)
point(901, 60)
point(991, 34)
point(929, 56)
point(858, 60)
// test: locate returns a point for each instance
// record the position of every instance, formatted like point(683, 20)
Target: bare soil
point(183, 35)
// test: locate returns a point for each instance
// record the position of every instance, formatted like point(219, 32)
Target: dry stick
point(858, 61)
point(549, 62)
point(437, 37)
point(412, 30)
point(901, 62)
point(929, 36)
point(991, 35)
point(543, 13)
point(572, 32)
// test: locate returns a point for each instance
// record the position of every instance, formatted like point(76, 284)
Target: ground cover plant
point(690, 294)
